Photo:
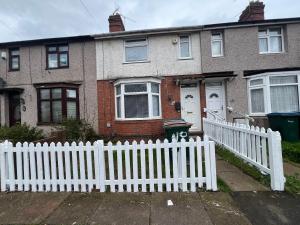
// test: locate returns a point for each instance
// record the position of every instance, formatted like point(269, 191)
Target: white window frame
point(179, 46)
point(125, 45)
point(267, 36)
point(267, 89)
point(148, 82)
point(217, 40)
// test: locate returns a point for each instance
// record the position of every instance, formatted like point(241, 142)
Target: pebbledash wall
point(81, 71)
point(163, 63)
point(241, 53)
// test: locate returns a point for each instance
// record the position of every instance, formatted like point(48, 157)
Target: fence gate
point(131, 167)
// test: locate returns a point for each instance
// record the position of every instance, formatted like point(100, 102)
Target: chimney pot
point(115, 23)
point(254, 11)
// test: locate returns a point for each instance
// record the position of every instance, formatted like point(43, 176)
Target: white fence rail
point(253, 144)
point(159, 166)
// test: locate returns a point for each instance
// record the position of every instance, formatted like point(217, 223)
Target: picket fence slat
point(254, 145)
point(160, 166)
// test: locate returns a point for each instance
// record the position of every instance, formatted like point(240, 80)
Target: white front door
point(190, 105)
point(215, 99)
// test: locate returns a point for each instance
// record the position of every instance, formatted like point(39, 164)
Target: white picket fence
point(253, 144)
point(159, 166)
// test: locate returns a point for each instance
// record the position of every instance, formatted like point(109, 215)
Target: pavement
point(203, 208)
point(120, 208)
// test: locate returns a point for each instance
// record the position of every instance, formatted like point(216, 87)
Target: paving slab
point(271, 208)
point(28, 208)
point(188, 209)
point(236, 179)
point(78, 208)
point(222, 209)
point(122, 209)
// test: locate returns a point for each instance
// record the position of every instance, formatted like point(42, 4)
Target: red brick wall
point(170, 92)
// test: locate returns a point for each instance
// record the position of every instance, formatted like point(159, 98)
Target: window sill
point(48, 124)
point(133, 62)
point(258, 114)
point(138, 119)
point(11, 70)
point(188, 58)
point(271, 53)
point(57, 68)
point(217, 56)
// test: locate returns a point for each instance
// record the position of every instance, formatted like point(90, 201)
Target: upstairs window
point(136, 50)
point(184, 47)
point(138, 100)
point(217, 44)
point(270, 40)
point(57, 103)
point(57, 56)
point(14, 59)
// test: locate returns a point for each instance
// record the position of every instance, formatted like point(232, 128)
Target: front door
point(215, 99)
point(190, 105)
point(14, 109)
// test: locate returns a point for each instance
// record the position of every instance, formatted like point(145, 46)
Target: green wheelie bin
point(288, 124)
point(176, 128)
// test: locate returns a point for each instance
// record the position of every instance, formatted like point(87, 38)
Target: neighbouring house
point(43, 81)
point(146, 76)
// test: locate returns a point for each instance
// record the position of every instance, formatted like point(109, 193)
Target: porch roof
point(10, 89)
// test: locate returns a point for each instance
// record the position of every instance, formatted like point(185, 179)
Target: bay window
point(57, 103)
point(274, 92)
point(137, 100)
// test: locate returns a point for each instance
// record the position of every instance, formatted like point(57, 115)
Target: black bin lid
point(286, 114)
point(176, 123)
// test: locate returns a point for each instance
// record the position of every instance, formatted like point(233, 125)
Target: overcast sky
point(32, 19)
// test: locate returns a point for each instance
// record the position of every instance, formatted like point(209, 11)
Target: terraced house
point(145, 76)
point(44, 81)
point(126, 83)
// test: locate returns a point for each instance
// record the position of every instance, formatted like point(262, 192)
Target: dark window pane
point(15, 63)
point(63, 48)
point(155, 104)
point(15, 53)
point(56, 111)
point(56, 93)
point(137, 53)
point(118, 107)
point(154, 88)
point(45, 111)
point(136, 106)
point(71, 93)
point(52, 60)
point(51, 49)
point(135, 87)
point(45, 93)
point(118, 89)
point(63, 59)
point(71, 110)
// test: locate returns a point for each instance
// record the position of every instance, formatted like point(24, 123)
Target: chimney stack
point(254, 11)
point(115, 23)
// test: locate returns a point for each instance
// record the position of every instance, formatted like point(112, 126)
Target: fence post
point(213, 166)
point(102, 173)
point(276, 164)
point(207, 163)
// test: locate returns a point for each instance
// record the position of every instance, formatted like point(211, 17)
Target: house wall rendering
point(34, 74)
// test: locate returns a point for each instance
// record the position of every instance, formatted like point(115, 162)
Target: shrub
point(78, 130)
point(20, 133)
point(291, 151)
